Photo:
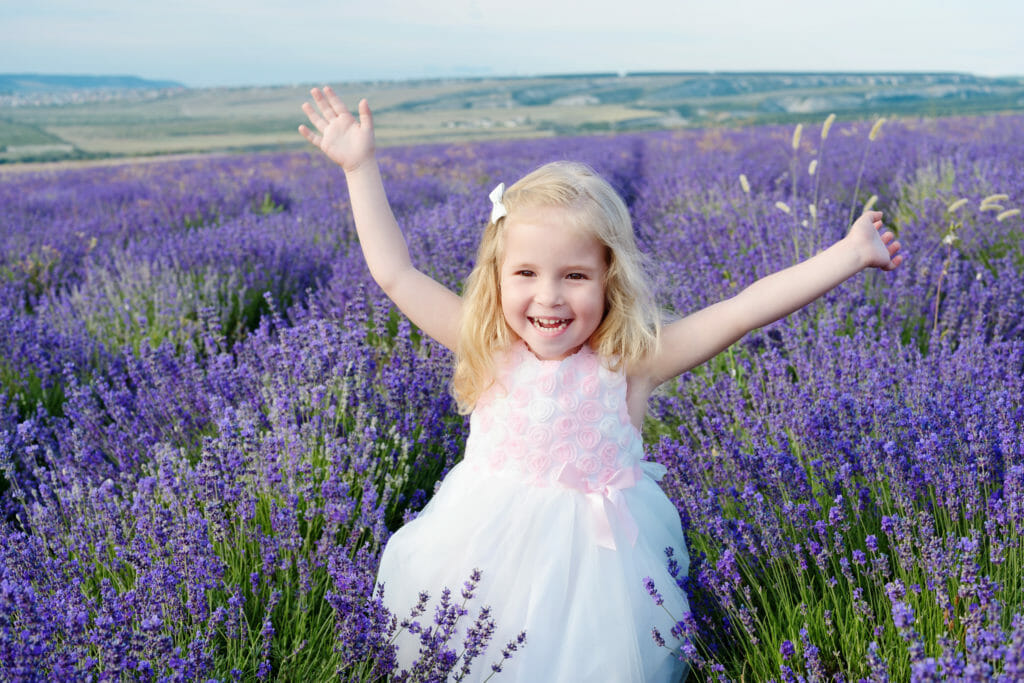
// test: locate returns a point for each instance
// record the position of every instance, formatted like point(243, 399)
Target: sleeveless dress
point(555, 505)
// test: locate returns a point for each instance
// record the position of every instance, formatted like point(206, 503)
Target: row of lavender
point(210, 421)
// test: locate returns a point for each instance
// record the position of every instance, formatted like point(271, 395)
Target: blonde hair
point(630, 328)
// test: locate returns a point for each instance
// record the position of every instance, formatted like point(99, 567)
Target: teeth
point(550, 323)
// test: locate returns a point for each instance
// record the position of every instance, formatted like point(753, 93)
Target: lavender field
point(211, 419)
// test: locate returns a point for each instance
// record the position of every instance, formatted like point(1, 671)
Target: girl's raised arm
point(696, 338)
point(349, 142)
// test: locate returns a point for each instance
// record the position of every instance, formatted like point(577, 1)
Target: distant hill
point(26, 84)
point(745, 97)
point(50, 117)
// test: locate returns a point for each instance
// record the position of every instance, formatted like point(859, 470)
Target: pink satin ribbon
point(606, 502)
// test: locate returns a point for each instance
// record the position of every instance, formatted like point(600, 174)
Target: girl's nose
point(549, 293)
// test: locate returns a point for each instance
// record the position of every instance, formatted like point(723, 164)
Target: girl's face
point(552, 282)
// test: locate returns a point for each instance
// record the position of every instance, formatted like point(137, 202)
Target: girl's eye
point(576, 276)
point(525, 273)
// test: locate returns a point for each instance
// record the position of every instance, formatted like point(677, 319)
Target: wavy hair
point(630, 328)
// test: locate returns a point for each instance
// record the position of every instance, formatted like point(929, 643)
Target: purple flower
point(653, 591)
point(658, 639)
point(902, 615)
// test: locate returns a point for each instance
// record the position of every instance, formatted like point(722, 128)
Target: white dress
point(555, 505)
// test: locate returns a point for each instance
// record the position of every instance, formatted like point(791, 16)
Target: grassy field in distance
point(187, 120)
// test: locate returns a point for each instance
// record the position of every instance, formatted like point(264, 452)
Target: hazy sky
point(252, 42)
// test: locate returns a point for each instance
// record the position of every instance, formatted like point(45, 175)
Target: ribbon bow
point(498, 209)
point(606, 501)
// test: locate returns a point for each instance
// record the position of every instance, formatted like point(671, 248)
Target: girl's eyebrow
point(519, 264)
point(584, 265)
point(567, 267)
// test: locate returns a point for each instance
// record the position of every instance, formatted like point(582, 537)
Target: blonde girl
point(558, 348)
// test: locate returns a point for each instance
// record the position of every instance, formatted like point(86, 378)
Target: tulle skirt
point(584, 607)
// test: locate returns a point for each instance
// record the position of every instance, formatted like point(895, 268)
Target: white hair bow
point(498, 209)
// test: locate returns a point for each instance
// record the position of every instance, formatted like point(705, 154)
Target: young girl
point(558, 347)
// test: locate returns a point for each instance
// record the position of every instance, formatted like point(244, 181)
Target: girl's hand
point(339, 135)
point(878, 250)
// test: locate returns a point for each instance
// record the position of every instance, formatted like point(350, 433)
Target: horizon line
point(539, 75)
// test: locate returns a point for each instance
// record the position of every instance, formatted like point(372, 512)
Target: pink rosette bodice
point(561, 423)
point(541, 416)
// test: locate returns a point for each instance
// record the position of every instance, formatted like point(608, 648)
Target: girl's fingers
point(323, 103)
point(337, 106)
point(365, 115)
point(309, 135)
point(876, 218)
point(330, 104)
point(895, 259)
point(314, 116)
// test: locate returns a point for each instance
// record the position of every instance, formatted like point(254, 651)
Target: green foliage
point(132, 303)
point(931, 182)
point(29, 392)
point(986, 252)
point(17, 134)
point(836, 597)
point(36, 271)
point(293, 593)
point(268, 205)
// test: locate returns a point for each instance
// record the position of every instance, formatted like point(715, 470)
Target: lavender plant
point(211, 420)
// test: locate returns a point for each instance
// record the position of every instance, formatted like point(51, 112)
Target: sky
point(204, 43)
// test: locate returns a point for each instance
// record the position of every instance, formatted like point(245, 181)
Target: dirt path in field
point(42, 166)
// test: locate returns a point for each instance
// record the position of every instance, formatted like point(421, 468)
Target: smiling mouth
point(550, 324)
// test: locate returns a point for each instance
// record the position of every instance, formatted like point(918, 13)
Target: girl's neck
point(526, 348)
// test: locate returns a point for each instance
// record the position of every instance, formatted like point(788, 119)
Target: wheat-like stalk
point(1009, 213)
point(797, 132)
point(872, 136)
point(993, 199)
point(876, 129)
point(957, 205)
point(827, 125)
point(948, 240)
point(793, 164)
point(813, 171)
